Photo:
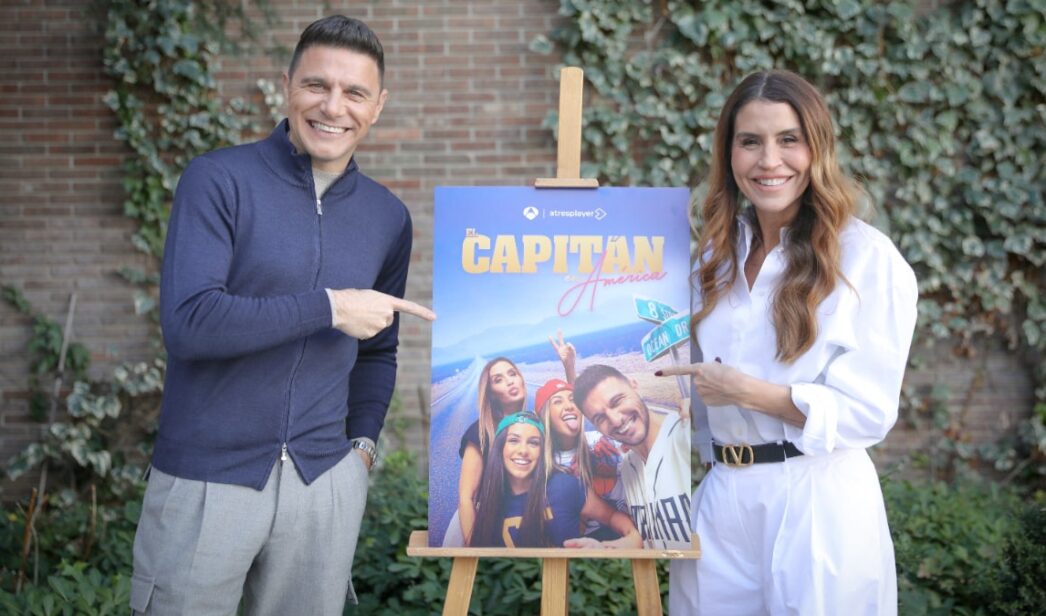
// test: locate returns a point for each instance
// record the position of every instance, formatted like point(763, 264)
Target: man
point(283, 272)
point(655, 471)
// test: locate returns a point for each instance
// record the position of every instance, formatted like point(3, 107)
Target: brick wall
point(986, 395)
point(61, 228)
point(467, 99)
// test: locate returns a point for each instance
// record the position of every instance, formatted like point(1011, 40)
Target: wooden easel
point(568, 153)
point(555, 581)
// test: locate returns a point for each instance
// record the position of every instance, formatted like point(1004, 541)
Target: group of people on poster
point(283, 279)
point(539, 478)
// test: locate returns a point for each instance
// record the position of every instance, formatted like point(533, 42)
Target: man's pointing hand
point(362, 313)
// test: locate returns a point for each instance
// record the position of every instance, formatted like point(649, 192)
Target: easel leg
point(648, 596)
point(459, 592)
point(555, 586)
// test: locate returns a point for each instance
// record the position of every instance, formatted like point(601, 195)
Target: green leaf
point(914, 92)
point(189, 69)
point(847, 9)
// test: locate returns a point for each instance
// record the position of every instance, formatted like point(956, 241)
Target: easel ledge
point(419, 546)
point(555, 572)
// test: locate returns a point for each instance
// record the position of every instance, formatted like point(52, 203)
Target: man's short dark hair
point(342, 32)
point(591, 378)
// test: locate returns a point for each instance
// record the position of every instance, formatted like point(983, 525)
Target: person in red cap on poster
point(588, 455)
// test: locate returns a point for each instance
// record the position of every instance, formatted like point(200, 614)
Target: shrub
point(948, 539)
point(74, 589)
point(71, 530)
point(1017, 587)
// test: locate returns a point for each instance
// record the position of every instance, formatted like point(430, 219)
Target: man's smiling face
point(615, 409)
point(333, 98)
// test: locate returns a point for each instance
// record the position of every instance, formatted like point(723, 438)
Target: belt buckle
point(735, 456)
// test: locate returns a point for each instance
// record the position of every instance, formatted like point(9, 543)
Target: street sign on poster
point(664, 337)
point(653, 310)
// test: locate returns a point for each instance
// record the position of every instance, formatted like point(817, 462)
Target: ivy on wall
point(942, 115)
point(162, 55)
point(44, 352)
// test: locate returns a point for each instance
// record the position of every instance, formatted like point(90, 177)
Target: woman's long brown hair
point(494, 492)
point(812, 251)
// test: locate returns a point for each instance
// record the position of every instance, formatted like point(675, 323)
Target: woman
point(804, 316)
point(519, 506)
point(502, 391)
point(590, 456)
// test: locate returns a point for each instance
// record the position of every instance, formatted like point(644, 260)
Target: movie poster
point(549, 427)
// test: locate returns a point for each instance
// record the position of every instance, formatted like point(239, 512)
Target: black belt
point(745, 455)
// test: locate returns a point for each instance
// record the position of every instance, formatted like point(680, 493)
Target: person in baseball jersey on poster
point(655, 471)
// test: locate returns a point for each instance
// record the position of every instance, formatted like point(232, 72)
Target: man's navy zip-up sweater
point(253, 362)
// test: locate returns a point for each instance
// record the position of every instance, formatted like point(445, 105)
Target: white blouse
point(848, 383)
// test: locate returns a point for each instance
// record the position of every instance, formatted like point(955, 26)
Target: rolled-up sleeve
point(853, 401)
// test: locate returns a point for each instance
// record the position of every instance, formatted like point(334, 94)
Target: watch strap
point(370, 447)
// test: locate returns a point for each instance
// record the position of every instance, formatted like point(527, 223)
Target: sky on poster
point(481, 311)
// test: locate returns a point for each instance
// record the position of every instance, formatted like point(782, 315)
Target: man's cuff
point(330, 298)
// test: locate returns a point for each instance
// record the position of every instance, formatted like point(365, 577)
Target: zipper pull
point(319, 208)
point(283, 453)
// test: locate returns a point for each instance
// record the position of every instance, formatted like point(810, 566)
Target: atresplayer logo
point(530, 213)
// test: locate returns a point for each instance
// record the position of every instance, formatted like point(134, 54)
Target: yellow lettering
point(616, 258)
point(469, 261)
point(649, 253)
point(506, 256)
point(585, 246)
point(643, 255)
point(559, 242)
point(536, 249)
point(508, 525)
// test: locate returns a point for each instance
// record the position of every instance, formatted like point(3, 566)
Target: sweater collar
point(295, 168)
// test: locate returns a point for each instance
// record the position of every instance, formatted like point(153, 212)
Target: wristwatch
point(366, 445)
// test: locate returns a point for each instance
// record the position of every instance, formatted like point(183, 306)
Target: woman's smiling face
point(521, 454)
point(770, 158)
point(564, 415)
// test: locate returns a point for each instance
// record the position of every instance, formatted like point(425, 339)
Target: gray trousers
point(287, 549)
